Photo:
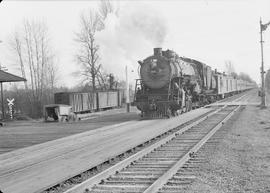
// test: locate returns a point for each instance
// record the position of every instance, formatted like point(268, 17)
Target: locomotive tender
point(170, 84)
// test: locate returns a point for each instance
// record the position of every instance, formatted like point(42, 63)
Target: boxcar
point(107, 99)
point(90, 101)
point(228, 85)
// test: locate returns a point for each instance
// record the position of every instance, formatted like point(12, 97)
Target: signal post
point(263, 27)
point(127, 91)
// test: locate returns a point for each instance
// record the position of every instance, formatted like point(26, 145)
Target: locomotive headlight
point(156, 68)
point(153, 63)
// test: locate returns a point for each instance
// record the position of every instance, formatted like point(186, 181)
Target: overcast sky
point(207, 30)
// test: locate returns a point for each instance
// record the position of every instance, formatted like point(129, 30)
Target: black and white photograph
point(135, 96)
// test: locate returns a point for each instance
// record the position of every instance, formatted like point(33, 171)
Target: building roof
point(7, 77)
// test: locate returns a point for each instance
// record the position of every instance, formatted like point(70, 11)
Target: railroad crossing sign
point(10, 104)
point(10, 101)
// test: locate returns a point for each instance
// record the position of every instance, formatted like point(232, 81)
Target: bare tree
point(36, 62)
point(105, 8)
point(17, 46)
point(108, 80)
point(52, 75)
point(88, 52)
point(229, 68)
point(245, 77)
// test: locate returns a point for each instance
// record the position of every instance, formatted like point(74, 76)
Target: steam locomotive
point(170, 84)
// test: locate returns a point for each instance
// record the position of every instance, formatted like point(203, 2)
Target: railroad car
point(89, 101)
point(170, 84)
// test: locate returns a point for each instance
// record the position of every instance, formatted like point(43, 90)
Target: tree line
point(38, 63)
point(229, 68)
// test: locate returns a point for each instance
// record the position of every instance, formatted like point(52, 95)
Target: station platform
point(41, 166)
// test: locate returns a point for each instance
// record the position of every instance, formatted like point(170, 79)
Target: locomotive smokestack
point(157, 51)
point(140, 62)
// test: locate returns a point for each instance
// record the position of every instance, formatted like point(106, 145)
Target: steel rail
point(161, 181)
point(88, 184)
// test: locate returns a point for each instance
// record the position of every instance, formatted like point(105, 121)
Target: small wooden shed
point(7, 77)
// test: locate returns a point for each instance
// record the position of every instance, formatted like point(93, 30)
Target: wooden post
point(262, 68)
point(2, 101)
point(127, 91)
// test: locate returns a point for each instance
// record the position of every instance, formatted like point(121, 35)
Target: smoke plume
point(128, 37)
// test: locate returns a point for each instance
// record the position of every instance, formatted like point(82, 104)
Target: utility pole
point(2, 98)
point(2, 102)
point(127, 91)
point(262, 68)
point(2, 95)
point(263, 27)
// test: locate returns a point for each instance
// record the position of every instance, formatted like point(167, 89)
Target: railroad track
point(156, 167)
point(188, 173)
point(84, 178)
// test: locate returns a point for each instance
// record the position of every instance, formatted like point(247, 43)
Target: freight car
point(170, 84)
point(89, 101)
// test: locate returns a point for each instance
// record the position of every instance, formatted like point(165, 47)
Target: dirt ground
point(241, 162)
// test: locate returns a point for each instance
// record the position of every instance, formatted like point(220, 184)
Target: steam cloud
point(149, 24)
point(129, 37)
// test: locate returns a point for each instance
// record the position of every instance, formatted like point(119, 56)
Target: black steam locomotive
point(170, 84)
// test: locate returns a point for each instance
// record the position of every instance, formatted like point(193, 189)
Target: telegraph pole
point(2, 101)
point(262, 28)
point(127, 91)
point(2, 96)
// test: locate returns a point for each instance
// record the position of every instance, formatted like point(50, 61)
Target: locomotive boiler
point(170, 84)
point(163, 89)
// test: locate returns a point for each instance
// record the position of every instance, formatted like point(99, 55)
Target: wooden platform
point(38, 167)
point(21, 134)
point(234, 103)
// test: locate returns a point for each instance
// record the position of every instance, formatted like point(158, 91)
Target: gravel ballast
point(241, 161)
